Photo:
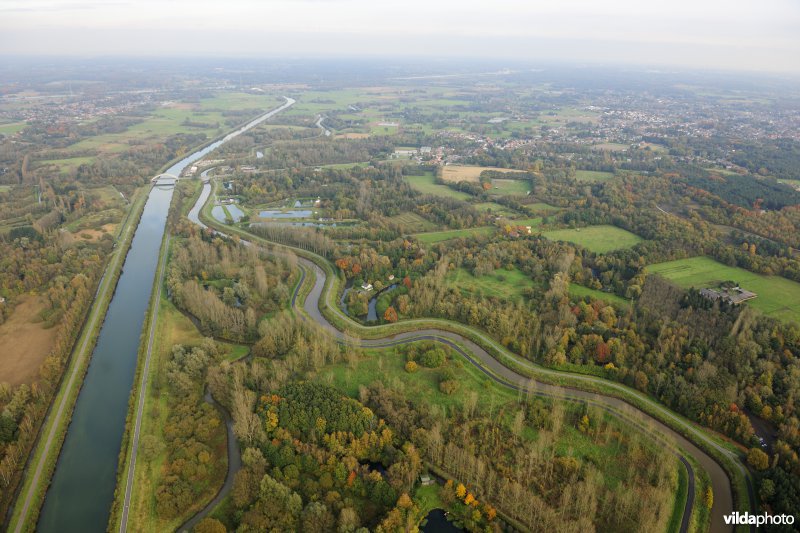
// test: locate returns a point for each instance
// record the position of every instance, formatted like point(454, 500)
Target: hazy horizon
point(735, 35)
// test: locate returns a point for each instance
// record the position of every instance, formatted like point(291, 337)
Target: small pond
point(290, 213)
point(437, 523)
point(219, 213)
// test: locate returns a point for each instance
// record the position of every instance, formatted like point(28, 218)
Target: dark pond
point(437, 523)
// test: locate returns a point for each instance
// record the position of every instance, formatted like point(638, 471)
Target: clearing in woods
point(598, 239)
point(426, 184)
point(25, 341)
point(439, 236)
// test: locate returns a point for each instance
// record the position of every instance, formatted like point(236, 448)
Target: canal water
point(82, 489)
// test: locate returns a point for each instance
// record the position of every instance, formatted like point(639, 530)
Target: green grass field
point(502, 186)
point(12, 128)
point(592, 175)
point(579, 291)
point(412, 222)
point(439, 236)
point(598, 239)
point(426, 185)
point(496, 209)
point(777, 297)
point(505, 284)
point(69, 164)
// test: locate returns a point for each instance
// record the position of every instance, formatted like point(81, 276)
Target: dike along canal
point(82, 489)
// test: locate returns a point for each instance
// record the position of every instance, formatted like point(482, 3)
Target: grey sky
point(725, 34)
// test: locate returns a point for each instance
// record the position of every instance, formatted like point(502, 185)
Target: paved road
point(723, 497)
point(55, 418)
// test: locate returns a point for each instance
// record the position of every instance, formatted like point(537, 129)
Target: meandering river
point(82, 489)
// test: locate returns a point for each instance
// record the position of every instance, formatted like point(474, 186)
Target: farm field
point(598, 239)
point(777, 297)
point(580, 291)
point(439, 236)
point(502, 186)
point(456, 173)
point(592, 175)
point(426, 185)
point(412, 222)
point(25, 331)
point(505, 284)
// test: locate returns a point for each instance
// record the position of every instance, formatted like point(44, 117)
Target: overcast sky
point(724, 34)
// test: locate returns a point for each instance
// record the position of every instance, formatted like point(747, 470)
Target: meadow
point(505, 284)
point(599, 239)
point(426, 184)
point(412, 222)
point(501, 186)
point(777, 297)
point(496, 209)
point(579, 291)
point(69, 164)
point(439, 236)
point(12, 128)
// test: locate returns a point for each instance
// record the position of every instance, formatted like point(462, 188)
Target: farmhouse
point(733, 296)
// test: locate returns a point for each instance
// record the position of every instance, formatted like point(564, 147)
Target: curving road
point(478, 356)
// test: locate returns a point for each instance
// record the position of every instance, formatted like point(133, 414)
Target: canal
point(82, 489)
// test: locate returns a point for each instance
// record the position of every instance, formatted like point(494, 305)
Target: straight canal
point(82, 490)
